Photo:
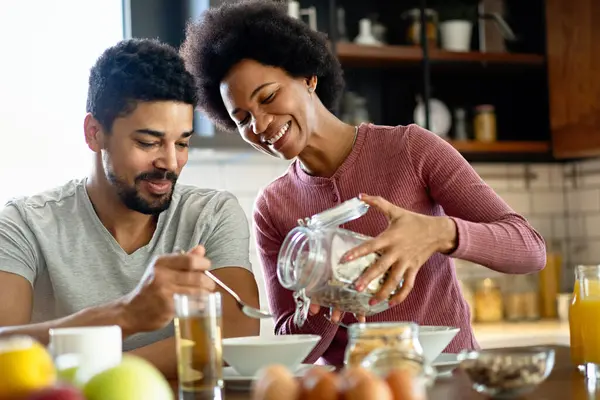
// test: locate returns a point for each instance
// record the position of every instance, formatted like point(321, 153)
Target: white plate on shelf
point(445, 363)
point(233, 380)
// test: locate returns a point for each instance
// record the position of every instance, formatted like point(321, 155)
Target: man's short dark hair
point(262, 31)
point(136, 70)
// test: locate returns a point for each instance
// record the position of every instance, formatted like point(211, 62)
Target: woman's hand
point(406, 244)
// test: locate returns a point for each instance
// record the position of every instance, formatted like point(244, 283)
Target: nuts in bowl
point(507, 373)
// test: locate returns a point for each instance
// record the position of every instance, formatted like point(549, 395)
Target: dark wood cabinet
point(545, 86)
point(573, 53)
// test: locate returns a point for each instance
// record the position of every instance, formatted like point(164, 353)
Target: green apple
point(133, 379)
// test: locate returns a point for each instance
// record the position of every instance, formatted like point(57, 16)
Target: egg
point(405, 386)
point(275, 382)
point(319, 384)
point(360, 384)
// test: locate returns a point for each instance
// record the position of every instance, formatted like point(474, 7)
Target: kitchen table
point(565, 382)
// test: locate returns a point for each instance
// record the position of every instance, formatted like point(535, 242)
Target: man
point(106, 249)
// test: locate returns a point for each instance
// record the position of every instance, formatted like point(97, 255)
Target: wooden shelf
point(359, 55)
point(512, 147)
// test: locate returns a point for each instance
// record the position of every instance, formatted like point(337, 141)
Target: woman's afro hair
point(259, 30)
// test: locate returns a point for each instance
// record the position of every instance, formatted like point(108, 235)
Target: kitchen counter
point(510, 334)
point(563, 383)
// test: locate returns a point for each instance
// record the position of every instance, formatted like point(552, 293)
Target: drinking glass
point(198, 330)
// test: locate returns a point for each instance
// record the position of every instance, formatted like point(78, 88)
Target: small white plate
point(445, 363)
point(235, 381)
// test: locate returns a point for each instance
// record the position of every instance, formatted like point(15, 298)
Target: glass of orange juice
point(586, 320)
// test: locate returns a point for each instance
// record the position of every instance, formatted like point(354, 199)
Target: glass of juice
point(198, 326)
point(587, 318)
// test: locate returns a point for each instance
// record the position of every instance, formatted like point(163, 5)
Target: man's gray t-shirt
point(56, 241)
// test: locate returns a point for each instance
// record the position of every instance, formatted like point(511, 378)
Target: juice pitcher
point(584, 320)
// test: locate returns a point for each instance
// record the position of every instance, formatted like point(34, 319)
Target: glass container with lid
point(382, 361)
point(363, 338)
point(309, 263)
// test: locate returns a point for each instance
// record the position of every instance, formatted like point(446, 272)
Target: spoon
point(245, 308)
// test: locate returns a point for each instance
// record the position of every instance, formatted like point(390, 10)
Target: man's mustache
point(157, 175)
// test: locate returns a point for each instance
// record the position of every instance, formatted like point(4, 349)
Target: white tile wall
point(583, 197)
point(564, 209)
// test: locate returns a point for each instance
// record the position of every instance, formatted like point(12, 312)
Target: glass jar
point(413, 33)
point(309, 263)
point(485, 123)
point(488, 301)
point(363, 338)
point(521, 301)
point(382, 361)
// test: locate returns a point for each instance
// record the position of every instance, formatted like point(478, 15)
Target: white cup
point(96, 348)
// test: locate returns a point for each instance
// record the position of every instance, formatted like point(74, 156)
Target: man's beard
point(132, 199)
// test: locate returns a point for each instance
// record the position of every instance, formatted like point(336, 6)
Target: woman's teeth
point(282, 132)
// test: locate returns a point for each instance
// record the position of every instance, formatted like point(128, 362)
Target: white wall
point(48, 48)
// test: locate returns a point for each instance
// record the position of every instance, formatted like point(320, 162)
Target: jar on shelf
point(309, 263)
point(484, 124)
point(413, 33)
point(363, 338)
point(521, 298)
point(488, 301)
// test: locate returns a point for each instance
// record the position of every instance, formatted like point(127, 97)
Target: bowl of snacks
point(507, 373)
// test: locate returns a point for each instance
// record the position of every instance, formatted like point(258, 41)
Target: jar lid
point(347, 211)
point(416, 12)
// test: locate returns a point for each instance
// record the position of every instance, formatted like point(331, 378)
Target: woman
point(274, 80)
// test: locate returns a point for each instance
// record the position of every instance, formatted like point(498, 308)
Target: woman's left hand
point(406, 244)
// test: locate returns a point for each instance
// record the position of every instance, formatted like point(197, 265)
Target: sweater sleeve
point(490, 233)
point(281, 300)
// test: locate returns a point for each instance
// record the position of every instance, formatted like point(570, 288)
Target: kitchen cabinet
point(545, 86)
point(573, 57)
point(393, 76)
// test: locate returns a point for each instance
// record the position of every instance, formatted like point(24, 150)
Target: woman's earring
point(311, 89)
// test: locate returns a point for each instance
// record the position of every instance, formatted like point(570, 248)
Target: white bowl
point(247, 355)
point(434, 339)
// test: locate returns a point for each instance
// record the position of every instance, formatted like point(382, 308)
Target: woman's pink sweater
point(418, 171)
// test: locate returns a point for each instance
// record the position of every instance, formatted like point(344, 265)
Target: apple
point(133, 379)
point(62, 392)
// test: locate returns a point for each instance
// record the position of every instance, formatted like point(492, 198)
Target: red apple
point(61, 392)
